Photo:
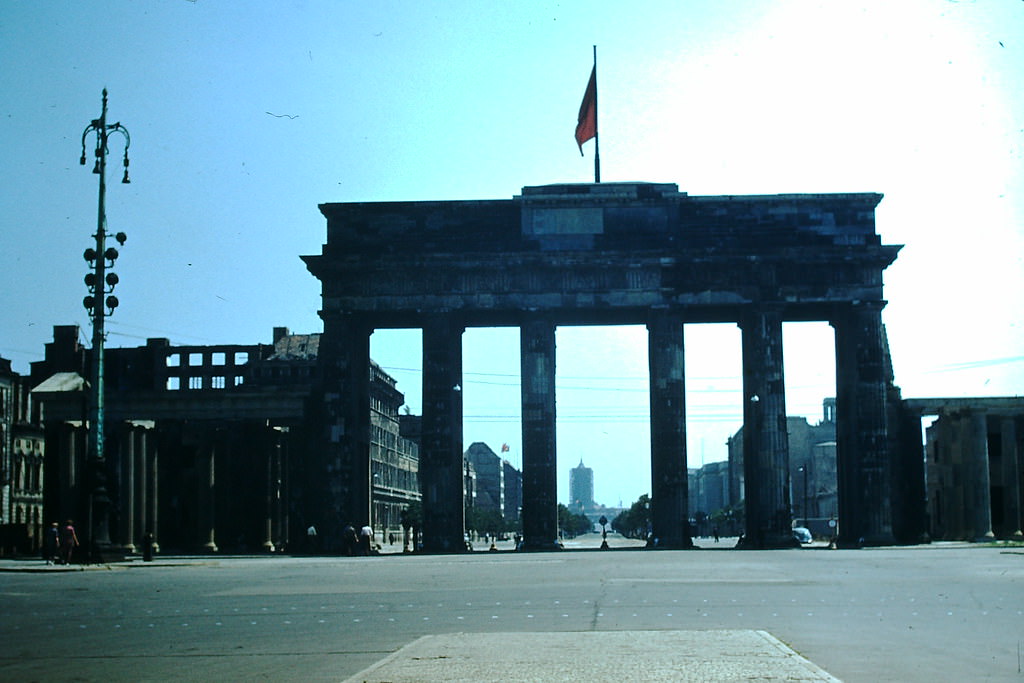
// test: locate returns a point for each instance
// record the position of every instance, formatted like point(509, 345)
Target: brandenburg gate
point(608, 254)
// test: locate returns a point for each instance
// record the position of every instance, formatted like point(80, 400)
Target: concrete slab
point(705, 656)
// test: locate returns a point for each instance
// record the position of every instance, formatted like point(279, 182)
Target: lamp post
point(803, 468)
point(100, 303)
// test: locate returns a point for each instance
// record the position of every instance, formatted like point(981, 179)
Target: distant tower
point(581, 488)
point(829, 408)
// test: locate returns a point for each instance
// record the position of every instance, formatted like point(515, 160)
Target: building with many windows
point(21, 465)
point(709, 493)
point(492, 483)
point(581, 488)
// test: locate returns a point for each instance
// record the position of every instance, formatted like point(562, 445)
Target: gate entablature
point(641, 253)
point(614, 250)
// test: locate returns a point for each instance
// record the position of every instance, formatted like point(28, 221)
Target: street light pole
point(100, 282)
point(804, 468)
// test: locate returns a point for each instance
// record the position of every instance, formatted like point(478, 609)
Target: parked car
point(802, 534)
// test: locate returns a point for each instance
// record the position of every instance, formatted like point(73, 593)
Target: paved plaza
point(928, 613)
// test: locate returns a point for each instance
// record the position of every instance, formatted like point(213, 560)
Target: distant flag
point(504, 448)
point(586, 122)
point(586, 126)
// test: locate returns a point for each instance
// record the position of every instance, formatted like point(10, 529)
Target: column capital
point(840, 311)
point(753, 314)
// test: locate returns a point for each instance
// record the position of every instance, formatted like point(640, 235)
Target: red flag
point(504, 448)
point(586, 126)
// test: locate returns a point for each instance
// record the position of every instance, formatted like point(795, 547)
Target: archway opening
point(809, 359)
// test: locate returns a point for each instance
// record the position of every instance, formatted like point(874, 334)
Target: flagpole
point(597, 150)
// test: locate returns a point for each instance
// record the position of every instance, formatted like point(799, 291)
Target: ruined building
point(206, 446)
point(812, 469)
point(975, 451)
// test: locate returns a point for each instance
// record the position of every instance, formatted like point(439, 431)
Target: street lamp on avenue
point(100, 302)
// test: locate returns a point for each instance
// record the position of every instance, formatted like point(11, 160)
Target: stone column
point(127, 455)
point(152, 494)
point(67, 489)
point(979, 480)
point(540, 483)
point(69, 496)
point(862, 457)
point(669, 482)
point(338, 487)
point(441, 449)
point(269, 444)
point(765, 434)
point(208, 494)
point(140, 485)
point(281, 490)
point(910, 507)
point(1011, 477)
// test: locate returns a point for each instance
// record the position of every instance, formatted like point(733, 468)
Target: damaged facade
point(975, 466)
point(207, 445)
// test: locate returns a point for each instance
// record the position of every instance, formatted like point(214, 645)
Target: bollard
point(147, 548)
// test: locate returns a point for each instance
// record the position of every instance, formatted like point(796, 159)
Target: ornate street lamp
point(100, 303)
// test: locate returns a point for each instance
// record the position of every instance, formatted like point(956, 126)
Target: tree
point(572, 523)
point(485, 521)
point(636, 521)
point(730, 519)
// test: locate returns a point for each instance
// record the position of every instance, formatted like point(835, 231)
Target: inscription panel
point(563, 221)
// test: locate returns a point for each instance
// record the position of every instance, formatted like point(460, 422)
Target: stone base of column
point(540, 547)
point(268, 547)
point(686, 544)
point(987, 537)
point(445, 550)
point(769, 542)
point(209, 547)
point(865, 542)
point(108, 554)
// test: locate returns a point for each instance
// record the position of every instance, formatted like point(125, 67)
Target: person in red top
point(68, 541)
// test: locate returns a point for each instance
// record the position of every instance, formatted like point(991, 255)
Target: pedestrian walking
point(365, 537)
point(68, 541)
point(349, 540)
point(51, 543)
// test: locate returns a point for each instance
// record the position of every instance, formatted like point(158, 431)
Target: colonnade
point(139, 484)
point(260, 494)
point(232, 488)
point(976, 456)
point(862, 449)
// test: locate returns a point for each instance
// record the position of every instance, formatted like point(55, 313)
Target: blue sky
point(245, 116)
